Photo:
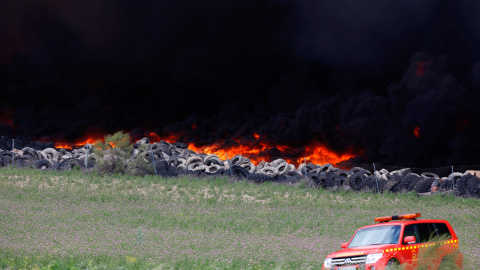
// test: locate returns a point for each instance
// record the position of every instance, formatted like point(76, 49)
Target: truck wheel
point(392, 265)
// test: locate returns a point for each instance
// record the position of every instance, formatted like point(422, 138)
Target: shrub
point(113, 153)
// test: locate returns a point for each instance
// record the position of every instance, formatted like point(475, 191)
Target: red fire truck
point(399, 240)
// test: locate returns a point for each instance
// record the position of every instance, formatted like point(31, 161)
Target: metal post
point(305, 168)
point(86, 159)
point(13, 153)
point(153, 160)
point(453, 183)
point(376, 179)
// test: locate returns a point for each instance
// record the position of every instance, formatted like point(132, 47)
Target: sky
point(396, 82)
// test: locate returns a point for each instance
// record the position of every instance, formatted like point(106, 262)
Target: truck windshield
point(376, 236)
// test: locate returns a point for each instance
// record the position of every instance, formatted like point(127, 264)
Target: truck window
point(442, 230)
point(410, 231)
point(379, 235)
point(426, 233)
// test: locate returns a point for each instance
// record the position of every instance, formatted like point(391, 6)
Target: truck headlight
point(373, 258)
point(327, 262)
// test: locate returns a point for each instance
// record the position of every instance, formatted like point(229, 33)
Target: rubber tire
point(239, 172)
point(164, 169)
point(461, 185)
point(392, 265)
point(270, 171)
point(330, 179)
point(455, 175)
point(29, 159)
point(31, 152)
point(236, 160)
point(395, 177)
point(42, 163)
point(326, 167)
point(473, 187)
point(283, 168)
point(372, 183)
point(294, 178)
point(357, 181)
point(390, 184)
point(430, 175)
point(408, 179)
point(68, 164)
point(280, 178)
point(416, 179)
point(250, 167)
point(20, 162)
point(424, 185)
point(194, 159)
point(359, 169)
point(51, 153)
point(208, 160)
point(260, 178)
point(446, 185)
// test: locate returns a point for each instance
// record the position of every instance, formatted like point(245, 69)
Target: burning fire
point(76, 144)
point(314, 153)
point(421, 68)
point(259, 152)
point(256, 152)
point(319, 154)
point(416, 132)
point(6, 117)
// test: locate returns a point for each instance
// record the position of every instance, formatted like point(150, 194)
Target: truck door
point(410, 255)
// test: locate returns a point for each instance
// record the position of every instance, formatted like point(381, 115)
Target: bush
point(113, 153)
point(433, 256)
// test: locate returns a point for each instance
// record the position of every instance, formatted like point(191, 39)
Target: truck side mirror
point(410, 239)
point(344, 245)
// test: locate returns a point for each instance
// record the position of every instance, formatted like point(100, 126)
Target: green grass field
point(71, 220)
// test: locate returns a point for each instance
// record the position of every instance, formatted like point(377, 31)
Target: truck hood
point(358, 251)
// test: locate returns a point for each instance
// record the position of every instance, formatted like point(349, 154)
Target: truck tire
point(393, 264)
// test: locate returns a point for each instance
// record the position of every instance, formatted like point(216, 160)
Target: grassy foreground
point(51, 220)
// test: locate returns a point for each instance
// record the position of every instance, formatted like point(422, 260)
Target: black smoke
point(353, 76)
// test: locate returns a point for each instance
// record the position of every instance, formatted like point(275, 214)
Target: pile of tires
point(49, 158)
point(170, 160)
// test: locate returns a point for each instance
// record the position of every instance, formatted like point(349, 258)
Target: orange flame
point(319, 154)
point(153, 137)
point(416, 132)
point(256, 152)
point(314, 153)
point(421, 68)
point(77, 144)
point(6, 117)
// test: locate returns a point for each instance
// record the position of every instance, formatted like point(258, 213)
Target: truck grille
point(357, 260)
